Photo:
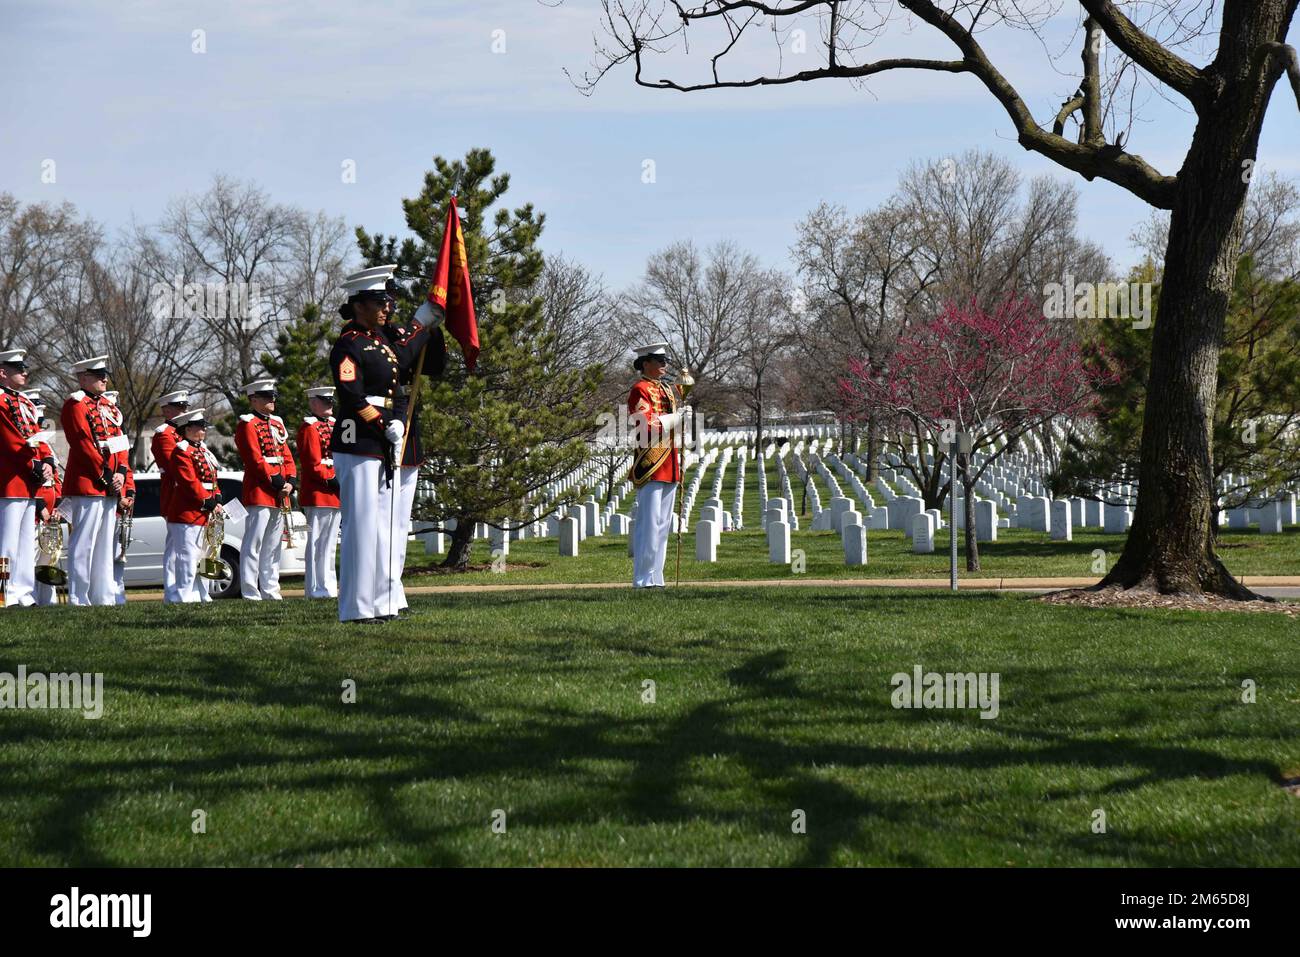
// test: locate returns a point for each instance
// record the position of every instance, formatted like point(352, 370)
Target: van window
point(230, 489)
point(146, 499)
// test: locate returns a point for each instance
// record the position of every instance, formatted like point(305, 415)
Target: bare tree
point(691, 303)
point(236, 242)
point(765, 332)
point(320, 252)
point(864, 279)
point(578, 312)
point(1170, 547)
point(39, 245)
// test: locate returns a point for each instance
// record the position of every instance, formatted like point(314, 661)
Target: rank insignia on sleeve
point(347, 370)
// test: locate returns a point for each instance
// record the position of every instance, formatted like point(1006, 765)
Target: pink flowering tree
point(994, 374)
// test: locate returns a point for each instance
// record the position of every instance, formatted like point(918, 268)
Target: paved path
point(1275, 586)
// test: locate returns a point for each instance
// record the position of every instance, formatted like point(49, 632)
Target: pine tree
point(300, 362)
point(1256, 417)
point(495, 437)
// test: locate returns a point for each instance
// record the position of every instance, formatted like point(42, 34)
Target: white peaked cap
point(652, 349)
point(321, 392)
point(111, 396)
point(33, 395)
point(91, 365)
point(374, 279)
point(179, 397)
point(259, 385)
point(186, 418)
point(13, 355)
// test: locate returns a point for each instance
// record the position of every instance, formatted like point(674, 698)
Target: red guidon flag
point(450, 289)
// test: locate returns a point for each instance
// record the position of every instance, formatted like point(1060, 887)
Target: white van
point(149, 532)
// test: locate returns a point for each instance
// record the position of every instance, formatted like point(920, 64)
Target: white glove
point(426, 315)
point(674, 420)
point(395, 430)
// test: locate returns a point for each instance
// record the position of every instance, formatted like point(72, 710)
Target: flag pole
point(415, 388)
point(684, 384)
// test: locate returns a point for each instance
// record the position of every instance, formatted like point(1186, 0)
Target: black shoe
point(364, 621)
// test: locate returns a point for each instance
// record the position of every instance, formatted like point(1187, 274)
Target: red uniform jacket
point(163, 445)
point(51, 491)
point(194, 485)
point(20, 452)
point(91, 426)
point(263, 444)
point(320, 489)
point(649, 399)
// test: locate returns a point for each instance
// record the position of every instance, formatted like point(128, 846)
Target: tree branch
point(1109, 162)
point(1165, 65)
point(1290, 63)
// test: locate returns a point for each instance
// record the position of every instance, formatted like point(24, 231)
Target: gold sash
point(647, 462)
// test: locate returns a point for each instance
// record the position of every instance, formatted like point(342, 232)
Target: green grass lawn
point(766, 703)
point(1018, 553)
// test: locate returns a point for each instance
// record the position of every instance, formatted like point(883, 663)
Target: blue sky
point(112, 92)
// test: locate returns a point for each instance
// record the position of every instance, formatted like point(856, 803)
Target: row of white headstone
point(1012, 485)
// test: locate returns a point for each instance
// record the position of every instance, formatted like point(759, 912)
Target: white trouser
point(182, 556)
point(320, 580)
point(364, 581)
point(90, 550)
point(654, 520)
point(18, 544)
point(259, 555)
point(168, 569)
point(402, 529)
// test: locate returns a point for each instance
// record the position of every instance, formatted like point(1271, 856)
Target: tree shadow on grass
point(760, 721)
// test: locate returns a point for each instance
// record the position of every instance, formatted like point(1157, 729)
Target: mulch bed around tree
point(1120, 598)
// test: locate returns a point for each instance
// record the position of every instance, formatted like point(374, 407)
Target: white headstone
point(1117, 520)
point(901, 511)
point(706, 541)
point(986, 521)
point(1270, 519)
point(839, 505)
point(579, 514)
point(1092, 513)
point(849, 518)
point(569, 538)
point(922, 526)
point(855, 545)
point(938, 517)
point(778, 542)
point(1062, 524)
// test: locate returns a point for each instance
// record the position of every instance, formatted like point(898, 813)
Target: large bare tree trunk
point(1170, 546)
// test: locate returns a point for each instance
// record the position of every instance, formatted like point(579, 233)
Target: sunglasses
point(16, 366)
point(265, 395)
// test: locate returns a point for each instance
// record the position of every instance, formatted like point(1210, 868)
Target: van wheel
point(230, 587)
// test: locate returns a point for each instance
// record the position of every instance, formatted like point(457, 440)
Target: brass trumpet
point(124, 532)
point(213, 566)
point(286, 521)
point(49, 539)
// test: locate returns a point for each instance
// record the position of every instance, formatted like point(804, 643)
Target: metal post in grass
point(960, 446)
